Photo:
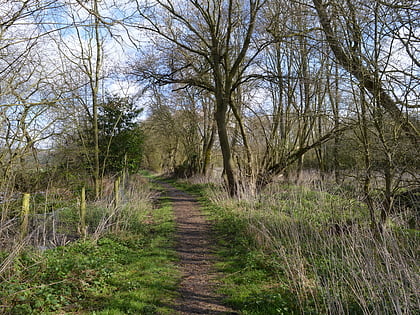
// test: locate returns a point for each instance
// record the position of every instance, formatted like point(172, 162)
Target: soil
point(196, 258)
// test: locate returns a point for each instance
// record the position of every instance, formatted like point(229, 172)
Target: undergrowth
point(292, 250)
point(124, 270)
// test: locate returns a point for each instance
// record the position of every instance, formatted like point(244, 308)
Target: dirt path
point(199, 279)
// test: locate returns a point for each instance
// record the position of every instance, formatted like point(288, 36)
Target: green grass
point(129, 273)
point(249, 282)
point(297, 251)
point(277, 255)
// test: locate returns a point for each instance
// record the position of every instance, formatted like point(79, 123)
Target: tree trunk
point(335, 103)
point(367, 161)
point(95, 78)
point(220, 117)
point(207, 146)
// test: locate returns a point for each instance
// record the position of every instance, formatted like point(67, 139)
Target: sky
point(121, 44)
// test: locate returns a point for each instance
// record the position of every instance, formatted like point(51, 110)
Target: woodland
point(295, 123)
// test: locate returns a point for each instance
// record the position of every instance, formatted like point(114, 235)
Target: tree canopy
point(249, 89)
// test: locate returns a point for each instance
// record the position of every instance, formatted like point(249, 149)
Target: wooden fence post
point(25, 215)
point(123, 179)
point(116, 192)
point(83, 212)
point(124, 172)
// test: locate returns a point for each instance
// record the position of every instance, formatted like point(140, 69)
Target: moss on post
point(25, 215)
point(83, 212)
point(116, 192)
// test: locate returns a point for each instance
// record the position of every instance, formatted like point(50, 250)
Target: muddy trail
point(196, 258)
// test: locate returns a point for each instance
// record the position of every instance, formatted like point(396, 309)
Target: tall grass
point(54, 219)
point(326, 254)
point(135, 206)
point(125, 266)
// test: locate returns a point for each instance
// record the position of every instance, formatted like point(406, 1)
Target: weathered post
point(83, 212)
point(116, 202)
point(116, 192)
point(124, 172)
point(25, 215)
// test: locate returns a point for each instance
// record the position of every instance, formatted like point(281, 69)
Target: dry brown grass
point(54, 218)
point(326, 253)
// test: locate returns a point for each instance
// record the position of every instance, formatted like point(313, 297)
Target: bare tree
point(342, 26)
point(208, 40)
point(296, 72)
point(81, 51)
point(375, 51)
point(26, 94)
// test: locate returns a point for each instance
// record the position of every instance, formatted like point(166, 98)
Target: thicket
point(55, 179)
point(120, 141)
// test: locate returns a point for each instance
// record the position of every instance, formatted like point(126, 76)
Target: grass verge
point(296, 251)
point(129, 272)
point(249, 282)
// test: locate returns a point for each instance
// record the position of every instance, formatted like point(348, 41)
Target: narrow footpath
point(199, 279)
